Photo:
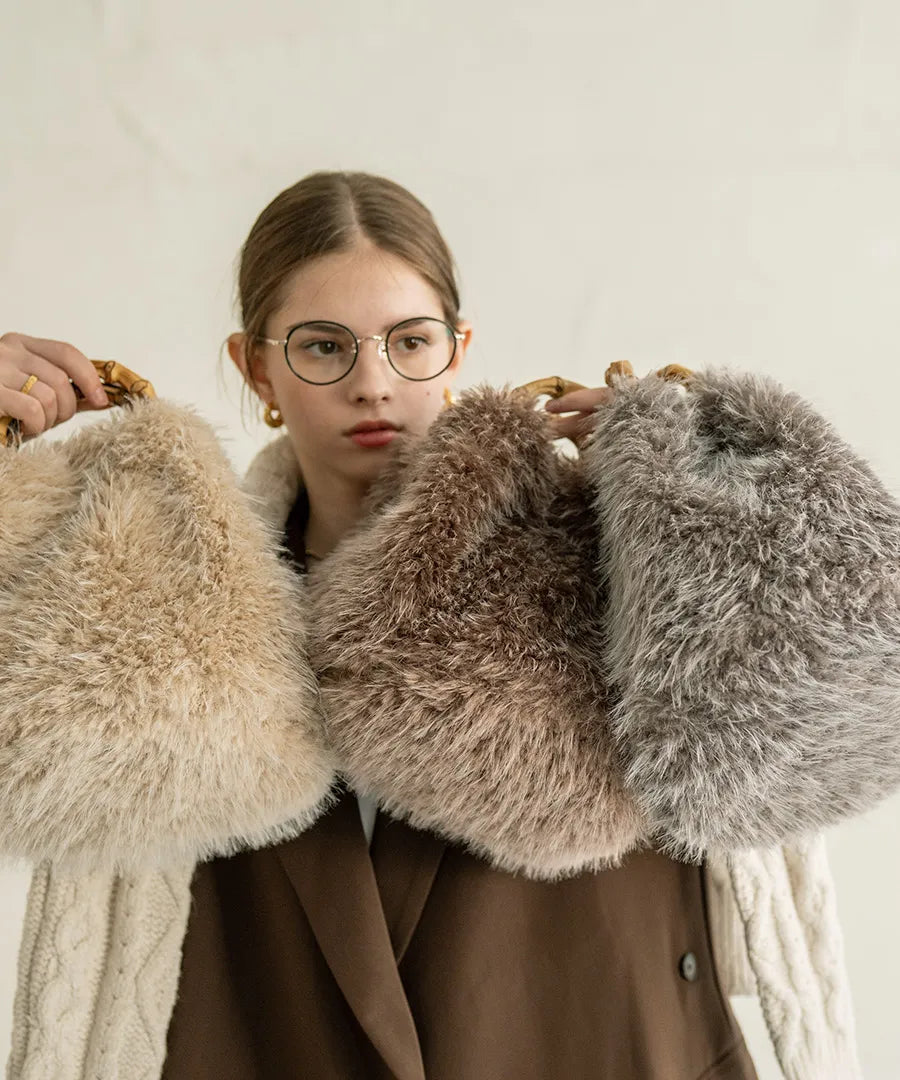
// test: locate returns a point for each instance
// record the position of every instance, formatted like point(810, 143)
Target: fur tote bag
point(456, 633)
point(156, 705)
point(752, 562)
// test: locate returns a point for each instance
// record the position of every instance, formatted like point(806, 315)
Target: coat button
point(687, 967)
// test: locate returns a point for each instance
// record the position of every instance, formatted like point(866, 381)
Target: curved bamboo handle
point(555, 385)
point(120, 383)
point(671, 372)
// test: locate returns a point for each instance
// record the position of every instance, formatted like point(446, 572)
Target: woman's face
point(369, 291)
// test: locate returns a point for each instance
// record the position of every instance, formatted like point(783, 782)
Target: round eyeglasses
point(324, 352)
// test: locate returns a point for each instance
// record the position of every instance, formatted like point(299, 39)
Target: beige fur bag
point(156, 705)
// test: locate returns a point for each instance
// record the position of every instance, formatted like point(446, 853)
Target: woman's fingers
point(573, 415)
point(584, 401)
point(52, 399)
point(573, 427)
point(72, 361)
point(36, 410)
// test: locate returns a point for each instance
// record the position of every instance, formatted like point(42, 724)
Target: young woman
point(364, 947)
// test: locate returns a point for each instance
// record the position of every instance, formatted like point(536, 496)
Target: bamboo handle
point(555, 385)
point(671, 372)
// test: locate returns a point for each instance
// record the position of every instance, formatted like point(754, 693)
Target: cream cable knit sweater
point(100, 957)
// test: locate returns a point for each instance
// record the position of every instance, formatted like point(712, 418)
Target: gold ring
point(29, 382)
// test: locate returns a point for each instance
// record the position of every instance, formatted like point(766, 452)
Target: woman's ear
point(257, 365)
point(235, 344)
point(463, 326)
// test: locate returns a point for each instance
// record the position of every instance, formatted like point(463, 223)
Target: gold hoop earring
point(448, 397)
point(272, 415)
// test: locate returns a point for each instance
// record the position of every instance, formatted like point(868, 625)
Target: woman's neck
point(334, 509)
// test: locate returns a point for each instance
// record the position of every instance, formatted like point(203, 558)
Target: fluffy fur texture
point(456, 634)
point(100, 954)
point(156, 704)
point(754, 630)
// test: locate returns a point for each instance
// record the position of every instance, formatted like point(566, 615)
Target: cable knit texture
point(61, 966)
point(98, 972)
point(786, 899)
point(101, 950)
point(100, 956)
point(729, 944)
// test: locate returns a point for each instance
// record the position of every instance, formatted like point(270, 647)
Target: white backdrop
point(707, 182)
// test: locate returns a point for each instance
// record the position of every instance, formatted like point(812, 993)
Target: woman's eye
point(409, 343)
point(329, 348)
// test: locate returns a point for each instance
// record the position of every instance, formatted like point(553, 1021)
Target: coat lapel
point(346, 917)
point(405, 862)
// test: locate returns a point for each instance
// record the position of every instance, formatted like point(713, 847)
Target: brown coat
point(319, 958)
point(323, 958)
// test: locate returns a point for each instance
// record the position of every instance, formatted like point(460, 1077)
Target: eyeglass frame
point(382, 346)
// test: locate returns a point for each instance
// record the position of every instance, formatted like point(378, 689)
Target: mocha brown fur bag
point(456, 633)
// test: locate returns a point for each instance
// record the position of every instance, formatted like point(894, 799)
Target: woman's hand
point(580, 407)
point(52, 398)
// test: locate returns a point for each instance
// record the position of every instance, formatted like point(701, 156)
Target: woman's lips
point(381, 437)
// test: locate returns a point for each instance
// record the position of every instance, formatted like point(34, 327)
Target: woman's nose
point(372, 379)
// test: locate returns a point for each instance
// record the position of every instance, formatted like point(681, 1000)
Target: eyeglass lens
point(323, 352)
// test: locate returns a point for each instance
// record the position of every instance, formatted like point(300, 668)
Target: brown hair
point(328, 212)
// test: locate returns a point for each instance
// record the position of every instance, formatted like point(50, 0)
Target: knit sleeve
point(787, 903)
point(98, 972)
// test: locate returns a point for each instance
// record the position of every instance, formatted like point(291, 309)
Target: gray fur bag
point(753, 566)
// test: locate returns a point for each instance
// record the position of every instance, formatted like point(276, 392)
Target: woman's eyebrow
point(384, 329)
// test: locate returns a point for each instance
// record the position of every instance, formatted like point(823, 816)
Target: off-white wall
point(707, 182)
